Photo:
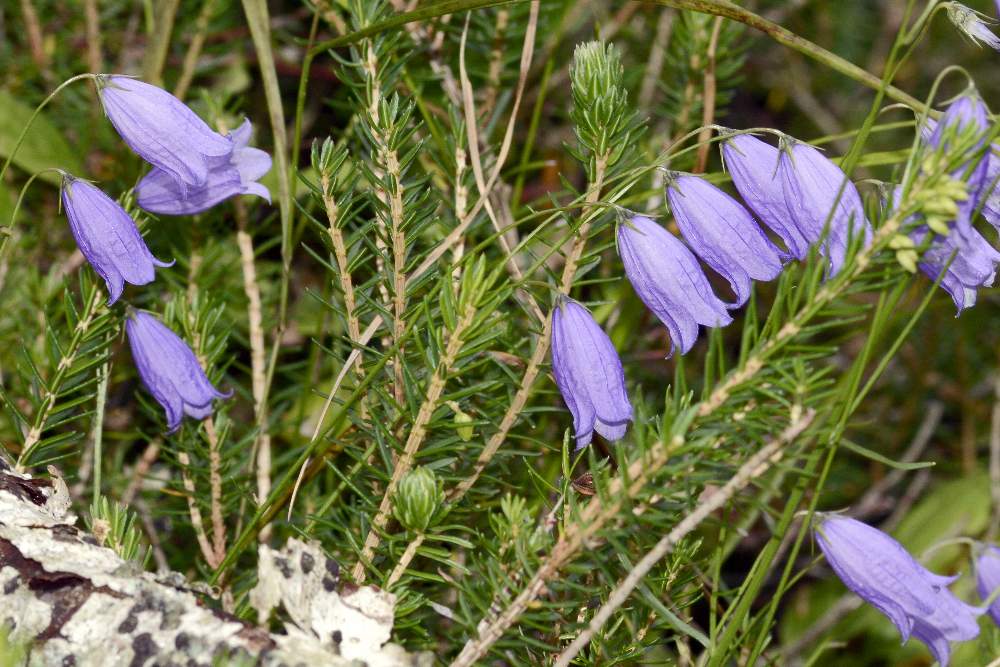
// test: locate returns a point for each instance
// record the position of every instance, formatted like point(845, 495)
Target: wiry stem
point(215, 486)
point(197, 522)
point(755, 466)
point(594, 516)
point(258, 361)
point(416, 438)
point(53, 388)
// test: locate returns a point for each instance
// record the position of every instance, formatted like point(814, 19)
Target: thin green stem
point(38, 110)
point(785, 37)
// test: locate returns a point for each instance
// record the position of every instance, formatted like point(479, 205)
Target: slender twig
point(471, 125)
point(36, 42)
point(54, 387)
point(755, 466)
point(416, 437)
point(657, 56)
point(258, 362)
point(95, 59)
point(197, 522)
point(708, 98)
point(159, 41)
point(194, 49)
point(215, 486)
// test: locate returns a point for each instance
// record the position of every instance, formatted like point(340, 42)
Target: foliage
point(385, 325)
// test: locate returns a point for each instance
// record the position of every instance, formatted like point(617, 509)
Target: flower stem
point(34, 114)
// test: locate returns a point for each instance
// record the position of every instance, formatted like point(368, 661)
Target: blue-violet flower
point(589, 374)
point(988, 578)
point(821, 197)
point(669, 280)
point(722, 233)
point(161, 129)
point(880, 571)
point(235, 174)
point(753, 166)
point(169, 369)
point(107, 237)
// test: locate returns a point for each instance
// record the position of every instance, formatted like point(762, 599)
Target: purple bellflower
point(169, 369)
point(669, 280)
point(722, 233)
point(991, 183)
point(589, 374)
point(161, 129)
point(973, 266)
point(107, 237)
point(966, 114)
point(234, 174)
point(753, 166)
point(882, 573)
point(988, 578)
point(821, 197)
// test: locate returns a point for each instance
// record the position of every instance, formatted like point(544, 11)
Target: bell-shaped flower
point(820, 197)
point(966, 115)
point(988, 579)
point(991, 188)
point(589, 374)
point(753, 166)
point(107, 237)
point(722, 233)
point(669, 280)
point(969, 262)
point(882, 573)
point(161, 129)
point(228, 176)
point(169, 369)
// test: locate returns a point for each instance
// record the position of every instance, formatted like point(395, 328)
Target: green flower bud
point(417, 499)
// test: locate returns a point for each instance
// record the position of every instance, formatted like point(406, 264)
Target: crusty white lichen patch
point(79, 604)
point(356, 622)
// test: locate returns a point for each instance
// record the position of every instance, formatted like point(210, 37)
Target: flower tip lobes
point(988, 579)
point(589, 374)
point(107, 237)
point(880, 571)
point(820, 197)
point(161, 129)
point(228, 176)
point(668, 279)
point(169, 369)
point(722, 233)
point(753, 166)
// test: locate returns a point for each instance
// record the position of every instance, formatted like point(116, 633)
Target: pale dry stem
point(415, 439)
point(258, 361)
point(755, 466)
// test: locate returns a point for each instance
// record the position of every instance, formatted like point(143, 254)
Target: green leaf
point(43, 146)
point(875, 456)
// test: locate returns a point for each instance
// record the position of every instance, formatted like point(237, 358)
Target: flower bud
point(417, 499)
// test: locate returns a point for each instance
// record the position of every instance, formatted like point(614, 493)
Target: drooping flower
point(753, 166)
point(722, 233)
point(967, 114)
point(669, 280)
point(880, 571)
point(988, 578)
point(970, 23)
point(161, 129)
point(820, 196)
point(589, 374)
point(991, 188)
point(235, 174)
point(107, 237)
point(169, 369)
point(973, 266)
